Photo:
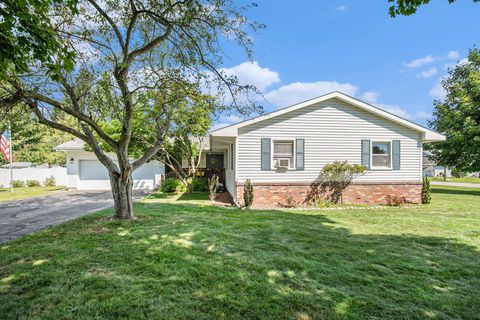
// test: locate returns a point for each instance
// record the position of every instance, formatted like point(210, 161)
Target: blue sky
point(312, 47)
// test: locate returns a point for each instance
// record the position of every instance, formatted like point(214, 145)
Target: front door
point(214, 161)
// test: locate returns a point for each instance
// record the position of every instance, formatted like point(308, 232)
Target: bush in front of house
point(426, 191)
point(18, 184)
point(33, 183)
point(50, 182)
point(199, 185)
point(248, 193)
point(172, 185)
point(395, 200)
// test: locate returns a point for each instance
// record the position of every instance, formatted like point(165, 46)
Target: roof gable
point(427, 134)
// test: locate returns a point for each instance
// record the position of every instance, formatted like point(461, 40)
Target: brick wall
point(270, 195)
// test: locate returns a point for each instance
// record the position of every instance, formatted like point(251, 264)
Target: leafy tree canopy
point(458, 116)
point(27, 33)
point(408, 7)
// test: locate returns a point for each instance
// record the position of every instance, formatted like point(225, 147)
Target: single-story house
point(85, 172)
point(283, 152)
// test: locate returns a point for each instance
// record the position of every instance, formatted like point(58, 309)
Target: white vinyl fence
point(39, 174)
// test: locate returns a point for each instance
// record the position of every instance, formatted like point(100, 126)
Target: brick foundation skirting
point(270, 195)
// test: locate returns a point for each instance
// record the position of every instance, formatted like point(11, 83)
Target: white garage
point(85, 172)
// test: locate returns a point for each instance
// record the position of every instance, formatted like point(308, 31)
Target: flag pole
point(11, 157)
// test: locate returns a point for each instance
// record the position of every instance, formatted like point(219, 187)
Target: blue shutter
point(299, 155)
point(366, 154)
point(266, 154)
point(396, 154)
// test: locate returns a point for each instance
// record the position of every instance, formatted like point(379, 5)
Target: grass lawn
point(25, 192)
point(184, 259)
point(466, 179)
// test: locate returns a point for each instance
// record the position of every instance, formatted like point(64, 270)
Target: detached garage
point(85, 172)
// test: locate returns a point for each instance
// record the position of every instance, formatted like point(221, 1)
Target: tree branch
point(110, 21)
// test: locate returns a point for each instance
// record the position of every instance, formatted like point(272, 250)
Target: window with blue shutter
point(396, 155)
point(366, 154)
point(300, 154)
point(266, 154)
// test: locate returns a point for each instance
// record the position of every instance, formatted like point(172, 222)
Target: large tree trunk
point(122, 189)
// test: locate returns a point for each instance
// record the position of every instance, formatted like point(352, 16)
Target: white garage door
point(93, 170)
point(94, 176)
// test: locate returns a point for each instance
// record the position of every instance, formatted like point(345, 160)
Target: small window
point(283, 154)
point(381, 154)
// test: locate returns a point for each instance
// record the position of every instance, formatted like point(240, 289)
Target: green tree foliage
point(408, 7)
point(32, 141)
point(334, 178)
point(458, 117)
point(27, 33)
point(192, 119)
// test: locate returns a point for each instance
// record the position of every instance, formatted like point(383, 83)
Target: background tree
point(32, 141)
point(458, 117)
point(409, 7)
point(131, 58)
point(187, 138)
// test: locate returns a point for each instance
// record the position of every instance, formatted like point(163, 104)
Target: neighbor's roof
point(428, 135)
point(75, 144)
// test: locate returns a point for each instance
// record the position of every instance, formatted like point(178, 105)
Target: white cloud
point(394, 109)
point(370, 96)
point(251, 73)
point(438, 92)
point(423, 115)
point(341, 7)
point(420, 62)
point(300, 91)
point(427, 73)
point(454, 55)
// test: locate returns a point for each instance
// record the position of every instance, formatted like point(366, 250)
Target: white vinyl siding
point(332, 130)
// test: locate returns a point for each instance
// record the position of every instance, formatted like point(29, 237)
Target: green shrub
point(458, 173)
point(33, 183)
point(18, 184)
point(50, 182)
point(199, 185)
point(322, 203)
point(426, 191)
point(248, 193)
point(337, 176)
point(172, 185)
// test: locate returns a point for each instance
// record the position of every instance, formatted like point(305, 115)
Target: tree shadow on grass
point(456, 191)
point(196, 262)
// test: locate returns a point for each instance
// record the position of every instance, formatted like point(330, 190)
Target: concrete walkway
point(455, 184)
point(21, 217)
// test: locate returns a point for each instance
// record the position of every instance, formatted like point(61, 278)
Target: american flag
point(5, 145)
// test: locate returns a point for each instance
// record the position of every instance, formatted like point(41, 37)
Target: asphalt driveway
point(25, 216)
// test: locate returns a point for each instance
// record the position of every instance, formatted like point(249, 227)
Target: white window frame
point(293, 165)
point(381, 168)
